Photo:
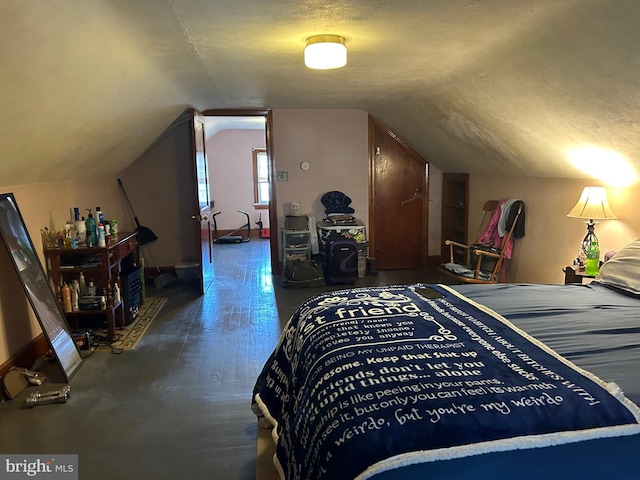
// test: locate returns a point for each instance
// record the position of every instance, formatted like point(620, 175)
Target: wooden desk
point(65, 265)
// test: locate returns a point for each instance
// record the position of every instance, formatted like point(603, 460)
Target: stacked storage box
point(296, 244)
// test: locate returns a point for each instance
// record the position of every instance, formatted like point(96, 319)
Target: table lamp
point(593, 205)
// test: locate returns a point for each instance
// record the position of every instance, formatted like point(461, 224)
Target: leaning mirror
point(36, 286)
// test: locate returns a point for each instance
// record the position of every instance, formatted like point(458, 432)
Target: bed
point(473, 381)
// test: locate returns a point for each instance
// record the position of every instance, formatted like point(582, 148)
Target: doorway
point(232, 137)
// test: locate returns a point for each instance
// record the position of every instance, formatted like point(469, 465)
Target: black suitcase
point(341, 261)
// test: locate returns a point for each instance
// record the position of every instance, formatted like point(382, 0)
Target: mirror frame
point(37, 287)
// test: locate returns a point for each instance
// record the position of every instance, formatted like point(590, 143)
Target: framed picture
point(37, 287)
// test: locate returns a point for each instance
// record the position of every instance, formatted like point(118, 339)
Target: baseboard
point(255, 233)
point(26, 357)
point(151, 272)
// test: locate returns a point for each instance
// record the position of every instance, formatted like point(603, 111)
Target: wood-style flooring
point(178, 405)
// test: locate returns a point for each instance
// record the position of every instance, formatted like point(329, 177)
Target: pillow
point(622, 271)
point(336, 202)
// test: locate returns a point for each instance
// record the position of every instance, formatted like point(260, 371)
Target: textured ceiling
point(500, 85)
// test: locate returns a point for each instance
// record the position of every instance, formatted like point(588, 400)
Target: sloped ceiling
point(472, 85)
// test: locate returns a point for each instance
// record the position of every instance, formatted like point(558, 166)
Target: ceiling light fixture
point(324, 52)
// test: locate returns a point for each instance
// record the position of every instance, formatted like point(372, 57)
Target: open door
point(204, 200)
point(232, 119)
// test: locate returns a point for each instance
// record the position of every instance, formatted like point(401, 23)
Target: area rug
point(128, 337)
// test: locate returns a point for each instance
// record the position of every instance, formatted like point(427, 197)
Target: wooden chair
point(466, 272)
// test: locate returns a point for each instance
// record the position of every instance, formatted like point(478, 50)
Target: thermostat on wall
point(305, 166)
point(283, 175)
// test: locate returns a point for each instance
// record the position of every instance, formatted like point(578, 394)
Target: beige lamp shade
point(324, 52)
point(593, 204)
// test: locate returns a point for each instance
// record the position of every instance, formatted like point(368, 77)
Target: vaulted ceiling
point(501, 85)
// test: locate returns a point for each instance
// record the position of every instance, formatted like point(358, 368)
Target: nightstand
point(573, 275)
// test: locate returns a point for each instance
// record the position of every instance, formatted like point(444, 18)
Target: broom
point(146, 236)
point(162, 279)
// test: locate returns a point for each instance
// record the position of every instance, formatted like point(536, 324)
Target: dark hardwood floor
point(178, 405)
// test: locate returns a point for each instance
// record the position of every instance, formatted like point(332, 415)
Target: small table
point(573, 275)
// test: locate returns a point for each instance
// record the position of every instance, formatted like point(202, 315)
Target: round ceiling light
point(324, 52)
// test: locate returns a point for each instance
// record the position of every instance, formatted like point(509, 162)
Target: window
point(260, 178)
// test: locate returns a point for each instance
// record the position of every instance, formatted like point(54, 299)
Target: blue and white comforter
point(370, 380)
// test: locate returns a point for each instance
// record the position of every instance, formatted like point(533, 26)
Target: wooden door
point(203, 217)
point(398, 211)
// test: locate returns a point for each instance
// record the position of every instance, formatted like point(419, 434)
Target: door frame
point(203, 216)
point(273, 216)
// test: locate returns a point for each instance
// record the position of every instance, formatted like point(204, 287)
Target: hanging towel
point(505, 209)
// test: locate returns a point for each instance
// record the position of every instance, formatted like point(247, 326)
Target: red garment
point(491, 234)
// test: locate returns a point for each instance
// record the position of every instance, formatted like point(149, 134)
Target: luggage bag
point(341, 261)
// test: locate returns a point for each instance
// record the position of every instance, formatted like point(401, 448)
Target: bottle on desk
point(102, 241)
point(75, 299)
point(67, 235)
point(82, 285)
point(99, 215)
point(75, 295)
point(592, 264)
point(92, 230)
point(66, 298)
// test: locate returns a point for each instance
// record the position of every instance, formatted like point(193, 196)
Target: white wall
point(231, 176)
point(335, 143)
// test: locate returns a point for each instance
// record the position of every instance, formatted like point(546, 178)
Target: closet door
point(455, 210)
point(398, 202)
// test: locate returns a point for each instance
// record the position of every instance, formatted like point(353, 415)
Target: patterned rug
point(128, 337)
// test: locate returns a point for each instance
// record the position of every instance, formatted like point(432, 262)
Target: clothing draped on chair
point(500, 222)
point(483, 264)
